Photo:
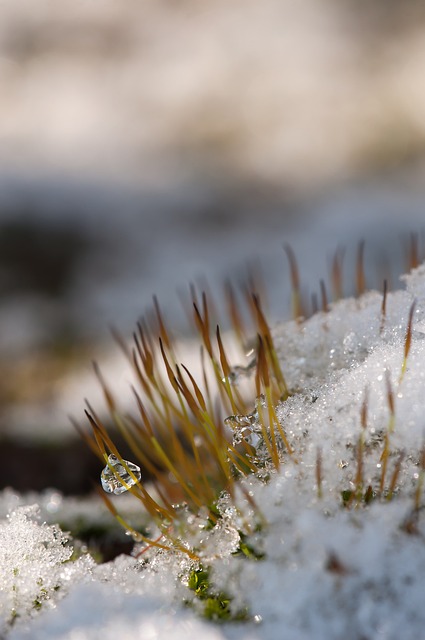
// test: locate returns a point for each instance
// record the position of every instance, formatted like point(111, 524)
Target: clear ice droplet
point(111, 474)
point(247, 428)
point(239, 421)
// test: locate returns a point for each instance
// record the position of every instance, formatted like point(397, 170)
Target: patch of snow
point(36, 571)
point(104, 612)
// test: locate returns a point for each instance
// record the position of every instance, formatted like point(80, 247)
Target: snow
point(125, 616)
point(328, 570)
point(35, 565)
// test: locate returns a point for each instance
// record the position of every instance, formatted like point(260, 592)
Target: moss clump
point(216, 606)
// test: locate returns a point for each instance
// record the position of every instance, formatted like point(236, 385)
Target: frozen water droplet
point(114, 470)
point(251, 437)
point(248, 437)
point(237, 422)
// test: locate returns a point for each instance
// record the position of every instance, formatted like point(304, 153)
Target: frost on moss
point(35, 565)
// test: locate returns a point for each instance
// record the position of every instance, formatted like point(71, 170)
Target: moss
point(247, 550)
point(216, 606)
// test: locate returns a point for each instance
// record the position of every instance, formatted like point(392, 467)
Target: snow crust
point(327, 570)
point(36, 571)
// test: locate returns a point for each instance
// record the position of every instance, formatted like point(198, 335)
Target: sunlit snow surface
point(328, 572)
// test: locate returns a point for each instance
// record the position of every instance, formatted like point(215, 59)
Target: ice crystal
point(119, 475)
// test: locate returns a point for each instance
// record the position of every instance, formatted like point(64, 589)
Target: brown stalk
point(168, 369)
point(421, 478)
point(203, 328)
point(383, 307)
point(277, 371)
point(386, 451)
point(210, 406)
point(413, 261)
point(297, 307)
point(162, 328)
point(198, 393)
point(319, 473)
point(140, 376)
point(188, 396)
point(360, 274)
point(407, 341)
point(145, 353)
point(235, 399)
point(336, 272)
point(324, 296)
point(143, 413)
point(395, 476)
point(235, 316)
point(360, 446)
point(262, 375)
point(265, 333)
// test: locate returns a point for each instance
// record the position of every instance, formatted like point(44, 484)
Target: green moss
point(349, 497)
point(199, 582)
point(247, 550)
point(14, 615)
point(42, 597)
point(215, 605)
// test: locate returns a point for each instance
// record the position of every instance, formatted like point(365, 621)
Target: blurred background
point(146, 144)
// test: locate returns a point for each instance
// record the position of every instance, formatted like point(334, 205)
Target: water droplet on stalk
point(116, 469)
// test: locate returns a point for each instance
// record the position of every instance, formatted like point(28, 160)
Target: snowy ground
point(327, 570)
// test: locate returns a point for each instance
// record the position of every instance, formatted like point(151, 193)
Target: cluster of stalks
point(178, 435)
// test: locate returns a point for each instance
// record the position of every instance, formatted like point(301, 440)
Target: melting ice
point(247, 428)
point(114, 470)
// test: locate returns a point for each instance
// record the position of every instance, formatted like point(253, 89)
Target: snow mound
point(36, 571)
